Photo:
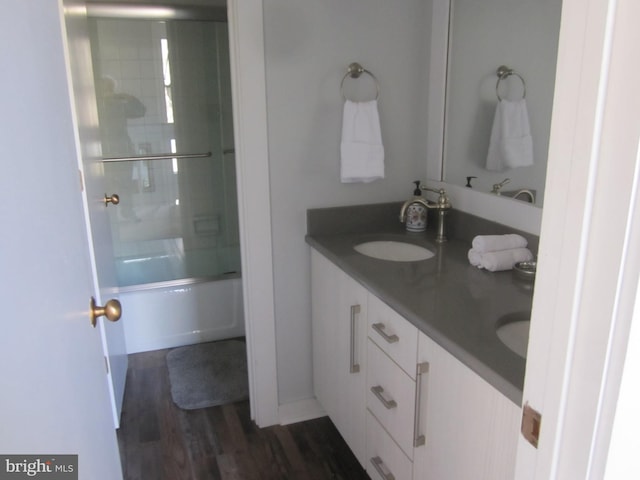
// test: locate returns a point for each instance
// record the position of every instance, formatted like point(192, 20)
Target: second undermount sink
point(394, 251)
point(513, 330)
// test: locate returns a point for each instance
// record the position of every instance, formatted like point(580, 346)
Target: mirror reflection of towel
point(511, 144)
point(361, 150)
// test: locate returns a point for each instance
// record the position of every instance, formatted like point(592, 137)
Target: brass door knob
point(112, 310)
point(114, 199)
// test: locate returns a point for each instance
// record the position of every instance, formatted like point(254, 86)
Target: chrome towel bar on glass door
point(161, 156)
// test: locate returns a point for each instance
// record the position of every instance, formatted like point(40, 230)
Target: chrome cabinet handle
point(353, 366)
point(382, 469)
point(378, 391)
point(418, 439)
point(379, 327)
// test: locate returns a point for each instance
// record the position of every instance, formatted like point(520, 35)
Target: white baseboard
point(300, 411)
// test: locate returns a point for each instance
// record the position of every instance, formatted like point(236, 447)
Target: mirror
point(523, 35)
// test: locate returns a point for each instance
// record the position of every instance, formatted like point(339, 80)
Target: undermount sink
point(394, 251)
point(513, 330)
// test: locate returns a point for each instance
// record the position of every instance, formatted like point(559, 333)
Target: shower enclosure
point(164, 104)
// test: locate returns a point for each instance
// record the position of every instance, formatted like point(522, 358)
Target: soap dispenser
point(415, 213)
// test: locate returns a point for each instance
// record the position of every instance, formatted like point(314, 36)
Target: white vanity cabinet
point(470, 429)
point(339, 311)
point(407, 408)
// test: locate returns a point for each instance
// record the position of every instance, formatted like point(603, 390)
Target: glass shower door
point(164, 102)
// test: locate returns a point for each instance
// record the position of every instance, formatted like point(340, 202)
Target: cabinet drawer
point(393, 334)
point(385, 460)
point(391, 397)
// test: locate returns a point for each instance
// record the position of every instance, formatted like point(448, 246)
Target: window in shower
point(163, 88)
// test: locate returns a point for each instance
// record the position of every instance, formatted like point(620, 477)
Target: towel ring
point(503, 72)
point(354, 71)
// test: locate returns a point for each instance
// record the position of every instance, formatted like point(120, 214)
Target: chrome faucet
point(497, 186)
point(442, 205)
point(405, 205)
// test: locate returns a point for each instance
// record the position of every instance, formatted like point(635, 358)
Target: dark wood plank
point(159, 441)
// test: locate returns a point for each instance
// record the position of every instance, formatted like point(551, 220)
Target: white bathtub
point(157, 316)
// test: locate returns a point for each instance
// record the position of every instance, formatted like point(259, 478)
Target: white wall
point(308, 46)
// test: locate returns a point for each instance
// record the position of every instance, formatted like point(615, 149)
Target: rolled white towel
point(495, 243)
point(504, 259)
point(475, 257)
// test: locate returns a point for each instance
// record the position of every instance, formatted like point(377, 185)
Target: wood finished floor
point(159, 441)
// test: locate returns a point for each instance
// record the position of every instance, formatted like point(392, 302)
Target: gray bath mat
point(208, 374)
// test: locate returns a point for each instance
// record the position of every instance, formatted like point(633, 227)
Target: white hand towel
point(504, 259)
point(510, 145)
point(361, 150)
point(492, 243)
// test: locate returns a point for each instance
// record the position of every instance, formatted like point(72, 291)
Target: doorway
point(164, 102)
point(163, 91)
point(245, 21)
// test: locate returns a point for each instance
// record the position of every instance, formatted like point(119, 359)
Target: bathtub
point(172, 314)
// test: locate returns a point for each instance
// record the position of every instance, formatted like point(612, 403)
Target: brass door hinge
point(530, 426)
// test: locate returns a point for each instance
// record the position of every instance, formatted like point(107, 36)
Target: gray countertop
point(454, 303)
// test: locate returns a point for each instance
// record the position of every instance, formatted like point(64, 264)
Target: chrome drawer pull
point(418, 440)
point(353, 366)
point(382, 469)
point(377, 391)
point(379, 327)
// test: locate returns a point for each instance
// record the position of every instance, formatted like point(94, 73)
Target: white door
point(98, 228)
point(55, 399)
point(586, 285)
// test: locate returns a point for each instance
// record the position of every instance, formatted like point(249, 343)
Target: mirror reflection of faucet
point(523, 194)
point(497, 186)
